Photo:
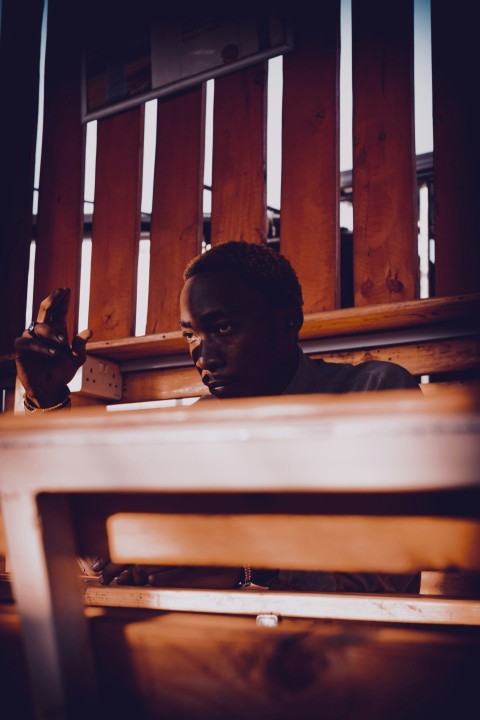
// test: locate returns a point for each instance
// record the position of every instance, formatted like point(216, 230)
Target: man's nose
point(207, 356)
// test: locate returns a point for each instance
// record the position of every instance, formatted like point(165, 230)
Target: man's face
point(235, 338)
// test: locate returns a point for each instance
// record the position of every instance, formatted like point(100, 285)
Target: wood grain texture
point(310, 154)
point(341, 543)
point(116, 225)
point(384, 183)
point(239, 157)
point(18, 123)
point(170, 384)
point(176, 226)
point(419, 358)
point(457, 150)
point(194, 668)
point(60, 202)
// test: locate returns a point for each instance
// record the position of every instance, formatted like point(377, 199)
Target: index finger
point(54, 308)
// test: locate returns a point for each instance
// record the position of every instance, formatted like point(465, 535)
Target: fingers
point(138, 574)
point(79, 347)
point(54, 308)
point(112, 571)
point(195, 577)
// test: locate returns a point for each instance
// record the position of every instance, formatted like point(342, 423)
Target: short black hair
point(260, 267)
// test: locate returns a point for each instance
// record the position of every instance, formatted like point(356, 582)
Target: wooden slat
point(331, 606)
point(162, 385)
point(60, 206)
point(384, 184)
point(310, 155)
point(341, 543)
point(176, 226)
point(440, 356)
point(116, 225)
point(427, 443)
point(456, 149)
point(239, 157)
point(18, 123)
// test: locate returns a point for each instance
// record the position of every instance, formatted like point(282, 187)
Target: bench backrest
point(385, 482)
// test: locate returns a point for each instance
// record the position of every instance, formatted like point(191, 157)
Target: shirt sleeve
point(381, 375)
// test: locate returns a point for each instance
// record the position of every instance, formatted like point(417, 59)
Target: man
point(241, 313)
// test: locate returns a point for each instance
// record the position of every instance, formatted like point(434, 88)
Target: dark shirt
point(318, 376)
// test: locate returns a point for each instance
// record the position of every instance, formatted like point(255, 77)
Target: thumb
point(79, 347)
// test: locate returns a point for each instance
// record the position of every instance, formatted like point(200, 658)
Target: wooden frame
point(419, 451)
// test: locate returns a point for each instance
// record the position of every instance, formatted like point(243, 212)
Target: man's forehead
point(208, 294)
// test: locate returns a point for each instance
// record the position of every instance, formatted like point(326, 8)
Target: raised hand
point(45, 360)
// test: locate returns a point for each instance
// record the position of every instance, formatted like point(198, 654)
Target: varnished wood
point(239, 156)
point(60, 201)
point(195, 667)
point(116, 225)
point(172, 384)
point(310, 154)
point(255, 601)
point(341, 543)
point(384, 184)
point(176, 225)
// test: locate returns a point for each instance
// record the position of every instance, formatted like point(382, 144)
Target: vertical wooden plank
point(18, 123)
point(176, 224)
point(309, 233)
point(116, 225)
point(239, 157)
point(456, 149)
point(384, 185)
point(54, 627)
point(60, 206)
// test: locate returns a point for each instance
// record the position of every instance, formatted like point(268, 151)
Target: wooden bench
point(437, 337)
point(387, 482)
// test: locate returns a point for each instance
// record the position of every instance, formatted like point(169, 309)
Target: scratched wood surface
point(239, 156)
point(384, 185)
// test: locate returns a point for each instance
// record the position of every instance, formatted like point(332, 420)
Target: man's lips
point(215, 382)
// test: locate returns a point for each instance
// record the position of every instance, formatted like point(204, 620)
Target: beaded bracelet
point(247, 577)
point(30, 409)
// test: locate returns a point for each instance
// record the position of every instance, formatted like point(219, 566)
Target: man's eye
point(190, 337)
point(224, 328)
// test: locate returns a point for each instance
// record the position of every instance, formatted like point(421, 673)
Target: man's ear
point(293, 321)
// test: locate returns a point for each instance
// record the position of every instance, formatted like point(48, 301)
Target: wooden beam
point(327, 606)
